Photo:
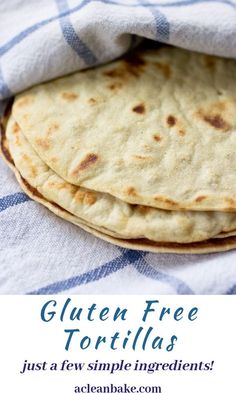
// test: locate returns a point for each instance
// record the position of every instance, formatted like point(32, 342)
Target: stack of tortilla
point(140, 152)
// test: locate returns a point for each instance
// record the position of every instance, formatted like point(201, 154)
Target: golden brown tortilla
point(156, 128)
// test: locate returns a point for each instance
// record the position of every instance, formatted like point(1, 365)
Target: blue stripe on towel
point(180, 3)
point(4, 89)
point(128, 257)
point(71, 36)
point(161, 22)
point(185, 3)
point(12, 200)
point(231, 291)
point(180, 286)
point(90, 276)
point(31, 29)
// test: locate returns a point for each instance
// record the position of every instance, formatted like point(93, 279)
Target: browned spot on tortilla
point(230, 201)
point(157, 138)
point(92, 100)
point(200, 198)
point(134, 60)
point(217, 122)
point(170, 202)
point(23, 101)
point(63, 186)
point(53, 127)
point(87, 198)
point(139, 108)
point(44, 143)
point(15, 128)
point(164, 68)
point(31, 166)
point(115, 86)
point(131, 191)
point(69, 95)
point(141, 157)
point(210, 62)
point(181, 132)
point(134, 64)
point(89, 160)
point(114, 73)
point(171, 120)
point(131, 65)
point(90, 198)
point(34, 171)
point(143, 209)
point(167, 201)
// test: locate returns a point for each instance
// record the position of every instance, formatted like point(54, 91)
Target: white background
point(24, 336)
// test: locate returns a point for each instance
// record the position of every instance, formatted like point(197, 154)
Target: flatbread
point(156, 128)
point(209, 246)
point(107, 212)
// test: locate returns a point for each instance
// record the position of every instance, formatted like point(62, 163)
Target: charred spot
point(200, 198)
point(170, 202)
point(134, 60)
point(131, 191)
point(134, 64)
point(181, 132)
point(115, 86)
point(140, 157)
point(69, 95)
point(116, 72)
point(217, 122)
point(143, 209)
point(157, 138)
point(210, 62)
point(164, 69)
point(165, 200)
point(171, 120)
point(92, 100)
point(139, 109)
point(89, 160)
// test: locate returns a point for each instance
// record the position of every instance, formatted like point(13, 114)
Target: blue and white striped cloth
point(43, 39)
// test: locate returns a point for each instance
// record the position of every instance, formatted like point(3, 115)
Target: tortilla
point(156, 128)
point(108, 213)
point(209, 246)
